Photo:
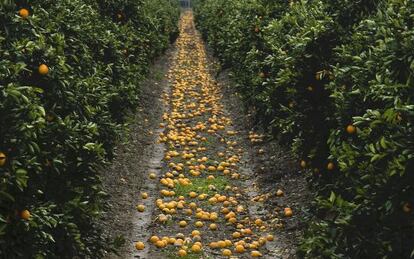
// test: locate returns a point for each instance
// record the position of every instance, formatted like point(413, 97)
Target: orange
point(240, 249)
point(154, 239)
point(303, 164)
point(3, 159)
point(229, 215)
point(247, 231)
point(188, 212)
point(407, 207)
point(212, 168)
point(233, 220)
point(351, 129)
point(179, 242)
point(222, 198)
point(214, 245)
point(139, 246)
point(228, 242)
point(288, 212)
point(258, 222)
point(213, 216)
point(141, 208)
point(256, 254)
point(24, 13)
point(213, 226)
point(270, 238)
point(43, 69)
point(225, 210)
point(192, 205)
point(236, 235)
point(182, 223)
point(25, 214)
point(330, 166)
point(144, 195)
point(196, 248)
point(182, 253)
point(199, 224)
point(221, 244)
point(279, 193)
point(160, 244)
point(226, 252)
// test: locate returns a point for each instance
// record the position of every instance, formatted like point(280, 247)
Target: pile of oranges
point(201, 147)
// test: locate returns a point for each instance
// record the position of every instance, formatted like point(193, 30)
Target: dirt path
point(195, 192)
point(137, 155)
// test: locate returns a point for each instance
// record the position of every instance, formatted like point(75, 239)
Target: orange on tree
point(351, 129)
point(303, 164)
point(43, 69)
point(25, 214)
point(330, 166)
point(407, 207)
point(24, 13)
point(3, 159)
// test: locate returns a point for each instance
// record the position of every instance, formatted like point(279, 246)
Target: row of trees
point(70, 71)
point(334, 80)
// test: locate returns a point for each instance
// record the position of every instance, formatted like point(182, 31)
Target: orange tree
point(68, 75)
point(315, 73)
point(372, 196)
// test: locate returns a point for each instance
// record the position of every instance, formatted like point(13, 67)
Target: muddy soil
point(124, 178)
point(274, 168)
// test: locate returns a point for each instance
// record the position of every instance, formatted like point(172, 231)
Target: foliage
point(310, 69)
point(58, 128)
